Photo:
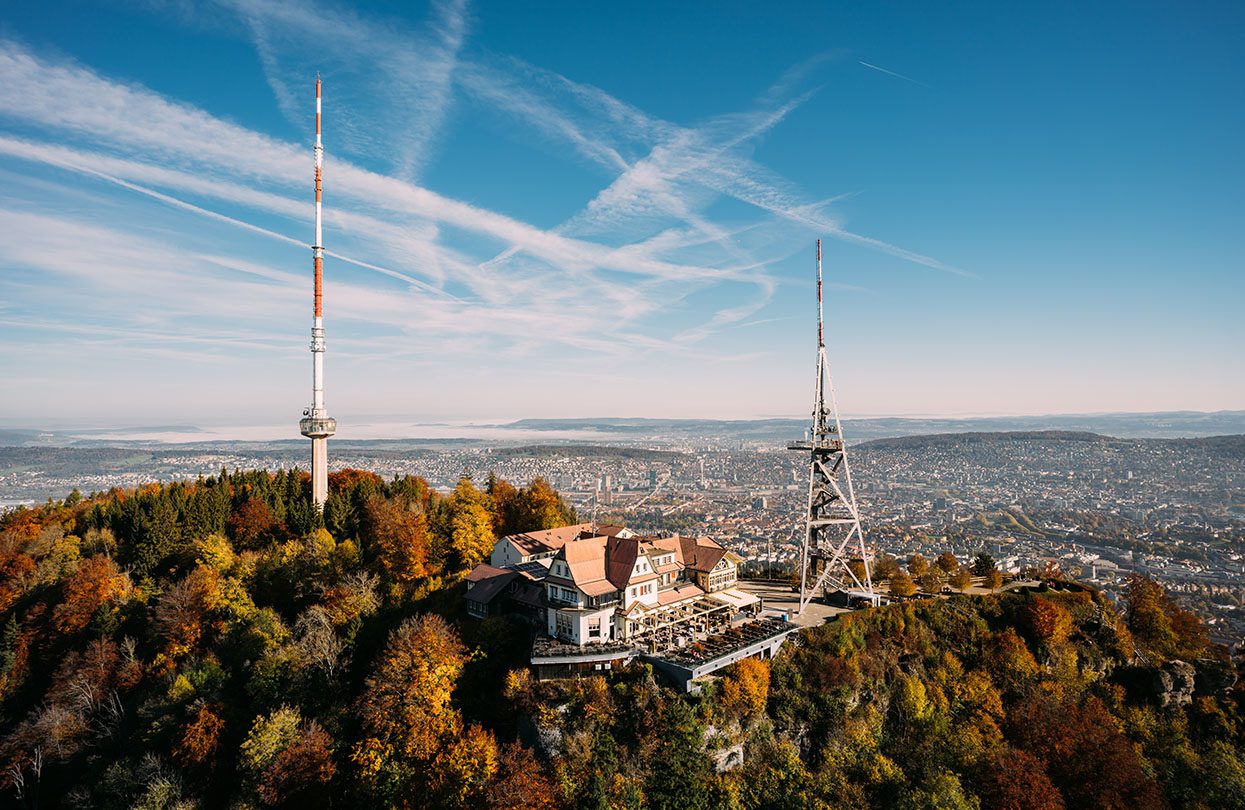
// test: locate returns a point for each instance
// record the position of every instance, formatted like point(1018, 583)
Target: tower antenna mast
point(316, 423)
point(832, 521)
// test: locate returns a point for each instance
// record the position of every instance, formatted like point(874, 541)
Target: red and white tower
point(316, 423)
point(832, 521)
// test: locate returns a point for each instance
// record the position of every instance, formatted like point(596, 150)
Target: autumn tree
point(931, 581)
point(961, 580)
point(252, 524)
point(994, 579)
point(1160, 626)
point(397, 542)
point(902, 585)
point(200, 738)
point(917, 565)
point(299, 774)
point(178, 618)
point(884, 566)
point(1087, 757)
point(1016, 780)
point(413, 742)
point(857, 568)
point(521, 782)
point(745, 687)
point(1047, 620)
point(269, 736)
point(540, 507)
point(96, 583)
point(467, 525)
point(947, 563)
point(504, 505)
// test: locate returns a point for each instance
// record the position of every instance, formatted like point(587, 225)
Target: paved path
point(777, 597)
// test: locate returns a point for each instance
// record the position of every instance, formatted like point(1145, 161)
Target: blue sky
point(569, 209)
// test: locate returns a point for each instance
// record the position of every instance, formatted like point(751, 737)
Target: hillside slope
point(217, 644)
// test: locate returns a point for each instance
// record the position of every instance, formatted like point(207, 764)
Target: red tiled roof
point(546, 540)
point(621, 555)
point(586, 560)
point(701, 553)
point(679, 594)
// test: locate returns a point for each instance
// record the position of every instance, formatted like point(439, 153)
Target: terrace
point(730, 640)
point(761, 638)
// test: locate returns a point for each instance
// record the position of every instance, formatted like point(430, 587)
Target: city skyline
point(524, 221)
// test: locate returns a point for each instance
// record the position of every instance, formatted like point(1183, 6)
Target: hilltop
point(1229, 445)
point(216, 643)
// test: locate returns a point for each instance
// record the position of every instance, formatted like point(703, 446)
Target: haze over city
point(1022, 214)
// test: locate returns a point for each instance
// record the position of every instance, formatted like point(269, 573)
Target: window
point(565, 627)
point(594, 628)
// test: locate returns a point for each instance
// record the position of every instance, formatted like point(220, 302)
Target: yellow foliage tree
point(746, 687)
point(471, 535)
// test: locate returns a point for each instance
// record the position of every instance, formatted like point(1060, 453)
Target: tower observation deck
point(316, 423)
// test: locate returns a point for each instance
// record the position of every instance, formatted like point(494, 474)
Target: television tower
point(832, 521)
point(316, 423)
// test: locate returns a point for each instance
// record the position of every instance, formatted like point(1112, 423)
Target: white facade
point(581, 626)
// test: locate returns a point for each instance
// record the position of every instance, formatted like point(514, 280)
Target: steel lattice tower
point(832, 521)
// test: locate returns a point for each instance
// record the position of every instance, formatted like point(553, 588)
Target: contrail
point(896, 75)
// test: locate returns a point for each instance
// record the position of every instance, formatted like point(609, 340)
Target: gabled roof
point(674, 544)
point(546, 540)
point(486, 590)
point(701, 553)
point(586, 560)
point(621, 553)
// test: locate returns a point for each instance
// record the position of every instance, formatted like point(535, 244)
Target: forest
point(222, 643)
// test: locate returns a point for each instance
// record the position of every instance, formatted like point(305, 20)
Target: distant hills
point(620, 430)
point(1228, 446)
point(1170, 424)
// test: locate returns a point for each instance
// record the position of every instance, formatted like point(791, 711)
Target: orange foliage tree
point(397, 542)
point(252, 524)
point(299, 774)
point(1091, 762)
point(1017, 780)
point(522, 782)
point(200, 738)
point(96, 583)
point(1048, 621)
